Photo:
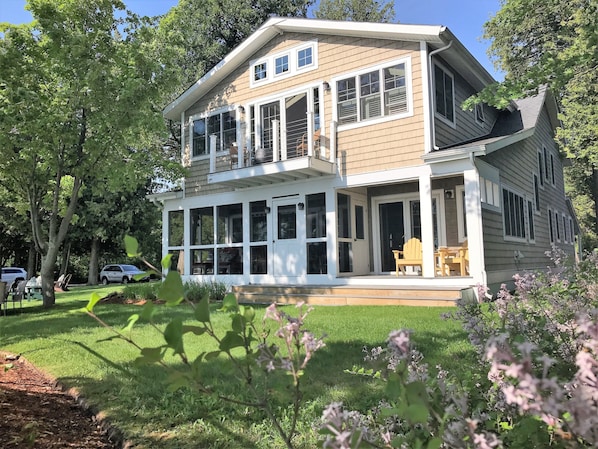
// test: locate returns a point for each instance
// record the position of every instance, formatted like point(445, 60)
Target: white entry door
point(288, 245)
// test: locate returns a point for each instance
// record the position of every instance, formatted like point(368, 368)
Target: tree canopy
point(79, 104)
point(356, 10)
point(553, 43)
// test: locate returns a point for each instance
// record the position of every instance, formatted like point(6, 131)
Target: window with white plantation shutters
point(378, 93)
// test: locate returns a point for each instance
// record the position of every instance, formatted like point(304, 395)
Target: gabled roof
point(512, 125)
point(435, 35)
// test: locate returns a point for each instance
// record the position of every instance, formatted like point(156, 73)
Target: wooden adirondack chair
point(411, 255)
point(456, 259)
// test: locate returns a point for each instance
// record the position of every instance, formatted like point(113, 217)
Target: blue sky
point(465, 18)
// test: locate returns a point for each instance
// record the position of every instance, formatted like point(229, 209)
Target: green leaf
point(417, 414)
point(173, 334)
point(177, 380)
point(194, 329)
point(249, 314)
point(150, 355)
point(416, 393)
point(141, 276)
point(172, 290)
point(92, 302)
point(229, 303)
point(131, 246)
point(231, 340)
point(238, 323)
point(394, 385)
point(212, 355)
point(132, 320)
point(166, 261)
point(202, 310)
point(148, 311)
point(434, 443)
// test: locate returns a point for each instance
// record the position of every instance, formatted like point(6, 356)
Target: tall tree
point(356, 10)
point(554, 43)
point(77, 106)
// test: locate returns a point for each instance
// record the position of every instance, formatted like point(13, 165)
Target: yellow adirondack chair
point(410, 256)
point(456, 260)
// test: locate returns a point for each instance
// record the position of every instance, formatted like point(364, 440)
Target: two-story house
point(316, 148)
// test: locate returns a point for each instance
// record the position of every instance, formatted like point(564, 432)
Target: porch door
point(288, 247)
point(295, 129)
point(392, 232)
point(268, 112)
point(361, 261)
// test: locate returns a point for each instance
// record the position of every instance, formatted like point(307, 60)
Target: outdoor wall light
point(326, 86)
point(267, 209)
point(301, 206)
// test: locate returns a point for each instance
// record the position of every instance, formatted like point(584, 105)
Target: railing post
point(332, 140)
point(275, 139)
point(212, 153)
point(310, 133)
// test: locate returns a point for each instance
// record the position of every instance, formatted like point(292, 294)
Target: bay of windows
point(377, 93)
point(223, 125)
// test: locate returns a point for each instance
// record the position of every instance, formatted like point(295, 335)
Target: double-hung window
point(377, 93)
point(281, 65)
point(223, 125)
point(444, 89)
point(513, 214)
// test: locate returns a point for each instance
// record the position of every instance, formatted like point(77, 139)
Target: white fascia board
point(278, 25)
point(383, 177)
point(165, 196)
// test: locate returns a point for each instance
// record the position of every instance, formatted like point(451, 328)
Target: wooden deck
point(346, 295)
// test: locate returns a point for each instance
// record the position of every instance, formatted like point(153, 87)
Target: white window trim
point(459, 190)
point(442, 118)
point(205, 115)
point(490, 173)
point(294, 68)
point(510, 238)
point(383, 118)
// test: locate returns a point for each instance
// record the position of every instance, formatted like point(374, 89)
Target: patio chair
point(410, 256)
point(302, 144)
point(16, 293)
point(456, 260)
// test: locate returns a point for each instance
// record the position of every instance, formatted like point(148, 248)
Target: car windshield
point(130, 268)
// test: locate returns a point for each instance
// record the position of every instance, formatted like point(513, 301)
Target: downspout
point(431, 86)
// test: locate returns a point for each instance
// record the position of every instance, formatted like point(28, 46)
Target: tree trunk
point(32, 261)
point(92, 277)
point(47, 273)
point(64, 258)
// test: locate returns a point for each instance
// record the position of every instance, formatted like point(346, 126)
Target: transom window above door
point(383, 91)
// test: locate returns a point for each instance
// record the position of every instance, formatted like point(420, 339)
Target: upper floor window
point(281, 64)
point(273, 67)
point(380, 92)
point(223, 125)
point(444, 87)
point(479, 113)
point(305, 57)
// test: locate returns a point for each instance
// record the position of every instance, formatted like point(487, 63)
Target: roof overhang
point(435, 35)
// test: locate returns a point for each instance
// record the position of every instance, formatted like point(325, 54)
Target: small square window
point(260, 71)
point(281, 65)
point(304, 57)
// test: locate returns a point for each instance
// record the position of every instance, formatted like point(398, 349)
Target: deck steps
point(348, 295)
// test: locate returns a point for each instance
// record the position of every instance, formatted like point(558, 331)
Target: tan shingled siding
point(368, 148)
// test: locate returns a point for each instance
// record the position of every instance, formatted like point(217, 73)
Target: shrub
point(146, 290)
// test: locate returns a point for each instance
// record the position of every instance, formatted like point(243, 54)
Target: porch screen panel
point(344, 218)
point(287, 222)
point(258, 233)
point(202, 226)
point(315, 225)
point(176, 227)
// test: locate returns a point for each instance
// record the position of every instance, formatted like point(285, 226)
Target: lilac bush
point(538, 353)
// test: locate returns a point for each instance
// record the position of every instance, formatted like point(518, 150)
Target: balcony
point(292, 153)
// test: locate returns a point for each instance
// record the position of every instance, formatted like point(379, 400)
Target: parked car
point(120, 273)
point(12, 274)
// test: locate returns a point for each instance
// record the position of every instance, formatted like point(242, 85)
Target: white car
point(120, 273)
point(12, 274)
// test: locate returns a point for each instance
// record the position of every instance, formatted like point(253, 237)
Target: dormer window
point(260, 71)
point(304, 57)
point(479, 113)
point(281, 65)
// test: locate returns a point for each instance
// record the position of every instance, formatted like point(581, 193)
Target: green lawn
point(75, 349)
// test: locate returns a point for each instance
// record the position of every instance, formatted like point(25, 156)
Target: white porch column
point(212, 151)
point(475, 235)
point(425, 199)
point(310, 133)
point(275, 139)
point(332, 139)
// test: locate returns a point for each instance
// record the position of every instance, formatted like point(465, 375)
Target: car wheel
point(105, 281)
point(125, 280)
